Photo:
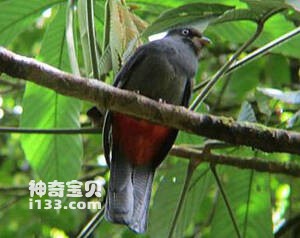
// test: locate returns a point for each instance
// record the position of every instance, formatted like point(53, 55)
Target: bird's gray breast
point(163, 72)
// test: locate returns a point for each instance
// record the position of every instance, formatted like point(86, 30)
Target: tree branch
point(220, 128)
point(258, 164)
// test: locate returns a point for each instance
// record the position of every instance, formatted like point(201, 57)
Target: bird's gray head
point(191, 36)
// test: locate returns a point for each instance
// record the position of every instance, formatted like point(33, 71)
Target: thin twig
point(201, 85)
point(189, 174)
point(248, 203)
point(8, 83)
point(203, 94)
point(70, 38)
point(91, 225)
point(221, 94)
point(92, 38)
point(213, 169)
point(92, 175)
point(10, 90)
point(21, 188)
point(11, 202)
point(198, 179)
point(84, 36)
point(106, 26)
point(264, 49)
point(66, 131)
point(260, 25)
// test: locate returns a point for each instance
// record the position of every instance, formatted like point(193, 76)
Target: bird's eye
point(185, 32)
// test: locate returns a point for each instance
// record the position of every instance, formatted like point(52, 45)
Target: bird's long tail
point(142, 180)
point(129, 193)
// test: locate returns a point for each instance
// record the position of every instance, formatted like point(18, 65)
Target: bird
point(162, 70)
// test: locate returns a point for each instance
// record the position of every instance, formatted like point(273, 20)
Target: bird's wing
point(106, 133)
point(123, 76)
point(187, 93)
point(120, 80)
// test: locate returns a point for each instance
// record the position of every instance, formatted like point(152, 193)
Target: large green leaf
point(196, 207)
point(264, 5)
point(239, 31)
point(294, 120)
point(166, 199)
point(256, 11)
point(194, 13)
point(177, 3)
point(238, 15)
point(277, 70)
point(17, 15)
point(249, 196)
point(168, 194)
point(52, 156)
point(242, 83)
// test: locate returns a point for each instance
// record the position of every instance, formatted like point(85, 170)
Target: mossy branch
point(221, 128)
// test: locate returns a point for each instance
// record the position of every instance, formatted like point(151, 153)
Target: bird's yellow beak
point(205, 41)
point(201, 41)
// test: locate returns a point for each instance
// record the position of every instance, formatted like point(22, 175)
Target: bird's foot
point(160, 100)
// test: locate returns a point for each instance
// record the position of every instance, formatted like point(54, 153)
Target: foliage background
point(260, 201)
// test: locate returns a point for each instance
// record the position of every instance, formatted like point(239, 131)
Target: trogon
point(162, 70)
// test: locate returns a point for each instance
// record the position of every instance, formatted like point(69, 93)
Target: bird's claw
point(160, 100)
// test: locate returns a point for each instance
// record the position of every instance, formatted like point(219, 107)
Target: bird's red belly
point(139, 140)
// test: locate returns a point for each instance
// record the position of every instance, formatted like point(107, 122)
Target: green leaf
point(151, 8)
point(238, 15)
point(194, 13)
point(243, 82)
point(249, 196)
point(195, 203)
point(71, 41)
point(294, 3)
point(91, 52)
point(294, 120)
point(264, 5)
point(84, 37)
point(124, 28)
point(277, 70)
point(52, 156)
point(17, 15)
point(105, 62)
point(238, 32)
point(292, 97)
point(99, 10)
point(247, 113)
point(256, 11)
point(166, 198)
